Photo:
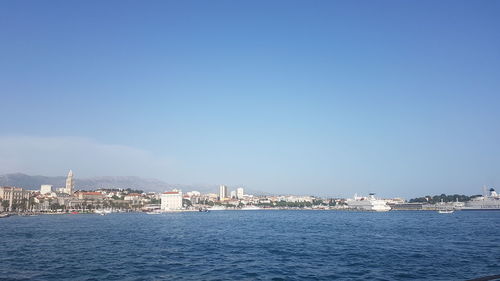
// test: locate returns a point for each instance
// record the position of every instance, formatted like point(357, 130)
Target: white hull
point(489, 202)
point(368, 204)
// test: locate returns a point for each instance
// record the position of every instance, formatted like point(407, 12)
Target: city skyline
point(282, 97)
point(221, 191)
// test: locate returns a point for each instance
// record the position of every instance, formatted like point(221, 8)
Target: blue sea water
point(252, 245)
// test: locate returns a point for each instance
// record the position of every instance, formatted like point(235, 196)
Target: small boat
point(154, 212)
point(100, 212)
point(4, 216)
point(204, 210)
point(445, 209)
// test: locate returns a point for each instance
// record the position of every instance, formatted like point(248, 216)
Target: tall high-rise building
point(240, 193)
point(222, 192)
point(69, 183)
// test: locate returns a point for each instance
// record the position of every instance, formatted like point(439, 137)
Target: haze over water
point(252, 245)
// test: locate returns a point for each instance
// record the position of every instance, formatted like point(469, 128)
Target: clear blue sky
point(308, 97)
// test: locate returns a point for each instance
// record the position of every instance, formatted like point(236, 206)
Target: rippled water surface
point(252, 245)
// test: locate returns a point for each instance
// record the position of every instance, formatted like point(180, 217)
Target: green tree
point(186, 203)
point(317, 202)
point(5, 205)
point(23, 204)
point(55, 206)
point(31, 203)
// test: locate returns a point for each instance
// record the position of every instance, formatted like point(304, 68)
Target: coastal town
point(69, 200)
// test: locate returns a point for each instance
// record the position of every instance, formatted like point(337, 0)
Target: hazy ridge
point(149, 185)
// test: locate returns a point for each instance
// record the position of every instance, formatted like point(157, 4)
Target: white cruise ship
point(369, 203)
point(488, 202)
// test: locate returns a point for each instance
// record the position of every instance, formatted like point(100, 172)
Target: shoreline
point(30, 214)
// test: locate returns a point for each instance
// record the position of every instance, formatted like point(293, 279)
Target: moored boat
point(369, 203)
point(490, 202)
point(154, 212)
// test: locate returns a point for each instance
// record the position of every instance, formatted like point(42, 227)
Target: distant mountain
point(30, 182)
point(148, 185)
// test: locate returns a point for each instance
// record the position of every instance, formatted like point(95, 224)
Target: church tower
point(69, 183)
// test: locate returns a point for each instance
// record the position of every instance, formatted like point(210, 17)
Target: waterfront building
point(69, 183)
point(171, 200)
point(46, 188)
point(233, 194)
point(14, 195)
point(222, 192)
point(42, 203)
point(63, 199)
point(240, 193)
point(90, 195)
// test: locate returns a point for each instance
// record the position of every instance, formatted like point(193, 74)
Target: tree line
point(442, 198)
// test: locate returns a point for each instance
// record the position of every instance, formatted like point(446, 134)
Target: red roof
point(133, 194)
point(92, 193)
point(171, 192)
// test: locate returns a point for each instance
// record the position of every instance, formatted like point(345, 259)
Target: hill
point(148, 185)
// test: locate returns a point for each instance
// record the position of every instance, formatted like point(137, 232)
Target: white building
point(233, 194)
point(13, 195)
point(240, 193)
point(171, 200)
point(222, 192)
point(46, 188)
point(193, 193)
point(135, 198)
